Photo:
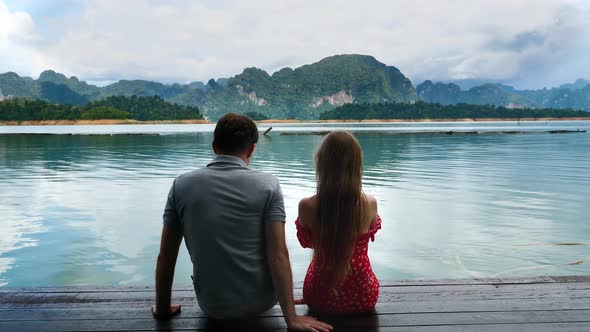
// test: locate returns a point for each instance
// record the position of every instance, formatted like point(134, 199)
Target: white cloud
point(17, 36)
point(507, 40)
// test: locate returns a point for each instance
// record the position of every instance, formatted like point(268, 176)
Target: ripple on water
point(87, 210)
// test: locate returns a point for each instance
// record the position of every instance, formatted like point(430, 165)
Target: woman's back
point(358, 290)
point(309, 206)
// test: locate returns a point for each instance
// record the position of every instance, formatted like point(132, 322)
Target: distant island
point(111, 108)
point(131, 110)
point(435, 111)
point(304, 93)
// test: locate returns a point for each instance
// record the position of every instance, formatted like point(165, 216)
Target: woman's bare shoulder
point(372, 208)
point(372, 202)
point(308, 202)
point(307, 208)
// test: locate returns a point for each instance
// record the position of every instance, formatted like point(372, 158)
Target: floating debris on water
point(580, 261)
point(321, 133)
point(267, 131)
point(565, 131)
point(552, 244)
point(450, 132)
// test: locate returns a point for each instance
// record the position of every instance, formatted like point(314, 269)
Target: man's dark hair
point(234, 133)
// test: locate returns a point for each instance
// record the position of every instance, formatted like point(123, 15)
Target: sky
point(525, 43)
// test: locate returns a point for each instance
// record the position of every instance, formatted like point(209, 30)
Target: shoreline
point(96, 122)
point(271, 121)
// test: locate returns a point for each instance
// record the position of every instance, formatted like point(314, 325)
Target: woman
point(338, 222)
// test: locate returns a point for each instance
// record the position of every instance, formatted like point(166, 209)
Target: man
point(232, 219)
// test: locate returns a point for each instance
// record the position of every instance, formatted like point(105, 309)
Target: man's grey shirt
point(221, 211)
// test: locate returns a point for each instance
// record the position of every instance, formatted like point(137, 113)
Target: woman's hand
point(172, 311)
point(299, 301)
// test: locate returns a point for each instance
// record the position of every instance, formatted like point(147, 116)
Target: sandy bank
point(429, 120)
point(270, 121)
point(96, 122)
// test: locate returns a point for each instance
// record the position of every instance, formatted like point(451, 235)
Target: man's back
point(233, 222)
point(221, 211)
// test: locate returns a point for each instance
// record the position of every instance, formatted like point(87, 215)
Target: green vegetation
point(574, 96)
point(21, 109)
point(104, 112)
point(57, 88)
point(301, 93)
point(175, 93)
point(137, 108)
point(256, 116)
point(421, 110)
point(149, 108)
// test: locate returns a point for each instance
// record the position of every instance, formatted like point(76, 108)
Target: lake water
point(86, 209)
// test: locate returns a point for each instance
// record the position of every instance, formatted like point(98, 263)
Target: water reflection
point(87, 209)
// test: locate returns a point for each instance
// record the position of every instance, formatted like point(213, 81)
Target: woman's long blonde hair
point(339, 170)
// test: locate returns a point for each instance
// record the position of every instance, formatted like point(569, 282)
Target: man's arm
point(280, 268)
point(169, 247)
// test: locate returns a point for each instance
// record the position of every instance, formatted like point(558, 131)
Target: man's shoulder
point(254, 175)
point(191, 174)
point(263, 175)
point(262, 180)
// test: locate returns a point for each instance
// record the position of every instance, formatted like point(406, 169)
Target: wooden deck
point(531, 304)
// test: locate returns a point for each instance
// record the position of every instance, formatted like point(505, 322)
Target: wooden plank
point(18, 299)
point(179, 323)
point(560, 303)
point(519, 292)
point(104, 289)
point(385, 283)
point(469, 281)
point(491, 281)
point(86, 289)
point(551, 327)
point(410, 293)
point(299, 285)
point(557, 327)
point(488, 281)
point(540, 327)
point(94, 298)
point(193, 311)
point(484, 288)
point(541, 295)
point(580, 283)
point(6, 300)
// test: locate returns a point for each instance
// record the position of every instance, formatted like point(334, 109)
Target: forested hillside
point(300, 93)
point(422, 110)
point(575, 96)
point(136, 108)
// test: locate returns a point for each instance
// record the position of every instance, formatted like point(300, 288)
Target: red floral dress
point(357, 293)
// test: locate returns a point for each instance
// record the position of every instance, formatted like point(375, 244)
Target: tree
point(104, 112)
point(256, 116)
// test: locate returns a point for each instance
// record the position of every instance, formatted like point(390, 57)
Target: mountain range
point(574, 96)
point(300, 93)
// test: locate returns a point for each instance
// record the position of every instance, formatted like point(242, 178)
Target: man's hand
point(172, 311)
point(280, 269)
point(169, 246)
point(308, 323)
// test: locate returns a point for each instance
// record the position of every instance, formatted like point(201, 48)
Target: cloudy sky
point(528, 43)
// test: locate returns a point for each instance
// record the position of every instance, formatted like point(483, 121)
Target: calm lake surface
point(86, 209)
